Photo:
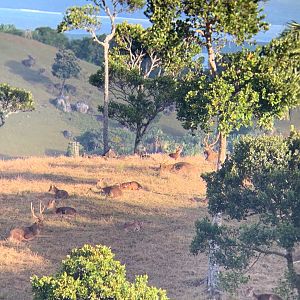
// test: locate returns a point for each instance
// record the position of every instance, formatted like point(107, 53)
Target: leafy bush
point(92, 273)
point(11, 29)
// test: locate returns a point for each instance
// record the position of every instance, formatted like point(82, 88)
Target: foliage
point(65, 66)
point(259, 187)
point(50, 36)
point(87, 17)
point(87, 50)
point(11, 29)
point(93, 273)
point(142, 77)
point(13, 100)
point(260, 85)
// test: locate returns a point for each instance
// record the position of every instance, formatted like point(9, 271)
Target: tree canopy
point(258, 187)
point(13, 100)
point(65, 66)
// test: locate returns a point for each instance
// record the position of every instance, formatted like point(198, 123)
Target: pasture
point(168, 205)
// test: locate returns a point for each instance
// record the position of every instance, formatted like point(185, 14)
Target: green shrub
point(92, 273)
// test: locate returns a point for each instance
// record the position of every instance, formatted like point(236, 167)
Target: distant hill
point(40, 132)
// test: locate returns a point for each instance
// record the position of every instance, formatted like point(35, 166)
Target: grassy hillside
point(167, 205)
point(40, 132)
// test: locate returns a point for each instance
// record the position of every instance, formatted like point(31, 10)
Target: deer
point(113, 191)
point(130, 185)
point(180, 167)
point(65, 210)
point(209, 153)
point(28, 233)
point(59, 194)
point(250, 293)
point(134, 226)
point(177, 152)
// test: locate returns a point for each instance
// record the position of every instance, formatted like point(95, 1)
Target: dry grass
point(167, 205)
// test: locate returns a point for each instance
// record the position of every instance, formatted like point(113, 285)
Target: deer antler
point(42, 209)
point(211, 145)
point(32, 211)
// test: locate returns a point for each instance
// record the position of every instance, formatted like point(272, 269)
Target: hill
point(167, 206)
point(40, 132)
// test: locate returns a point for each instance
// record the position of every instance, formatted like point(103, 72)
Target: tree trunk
point(214, 268)
point(295, 278)
point(61, 92)
point(106, 99)
point(137, 141)
point(222, 150)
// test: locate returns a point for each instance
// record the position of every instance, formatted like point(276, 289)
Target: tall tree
point(261, 85)
point(88, 18)
point(211, 23)
point(65, 66)
point(258, 187)
point(143, 74)
point(13, 100)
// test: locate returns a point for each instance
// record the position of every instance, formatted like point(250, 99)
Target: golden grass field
point(168, 205)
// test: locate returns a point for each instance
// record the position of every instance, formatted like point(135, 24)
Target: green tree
point(258, 187)
point(86, 49)
point(65, 66)
point(50, 36)
point(210, 23)
point(13, 100)
point(142, 76)
point(93, 273)
point(87, 17)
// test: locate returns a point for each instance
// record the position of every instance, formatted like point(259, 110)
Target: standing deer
point(59, 194)
point(209, 153)
point(65, 210)
point(30, 232)
point(177, 152)
point(250, 293)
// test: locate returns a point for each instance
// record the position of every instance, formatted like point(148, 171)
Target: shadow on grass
point(56, 179)
point(28, 74)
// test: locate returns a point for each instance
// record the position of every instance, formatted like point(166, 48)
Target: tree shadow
point(28, 74)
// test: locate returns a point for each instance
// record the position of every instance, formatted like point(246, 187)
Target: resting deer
point(113, 191)
point(180, 168)
point(65, 210)
point(30, 232)
point(177, 152)
point(59, 194)
point(209, 153)
point(134, 226)
point(131, 185)
point(250, 293)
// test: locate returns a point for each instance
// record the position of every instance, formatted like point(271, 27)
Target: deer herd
point(21, 234)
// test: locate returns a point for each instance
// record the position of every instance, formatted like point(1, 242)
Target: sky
point(278, 13)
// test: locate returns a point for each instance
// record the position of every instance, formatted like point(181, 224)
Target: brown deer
point(250, 293)
point(65, 210)
point(179, 168)
point(59, 194)
point(209, 153)
point(133, 226)
point(131, 185)
point(20, 234)
point(177, 152)
point(113, 191)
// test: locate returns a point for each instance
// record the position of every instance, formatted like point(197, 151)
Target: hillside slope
point(40, 132)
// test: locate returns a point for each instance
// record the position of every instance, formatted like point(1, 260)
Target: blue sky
point(278, 13)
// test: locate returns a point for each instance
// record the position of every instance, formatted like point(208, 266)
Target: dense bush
point(11, 29)
point(93, 273)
